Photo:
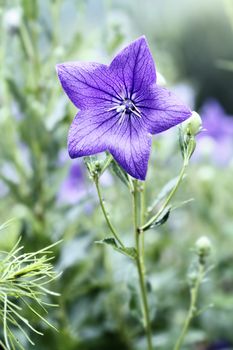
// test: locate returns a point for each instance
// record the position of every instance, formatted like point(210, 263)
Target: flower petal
point(161, 109)
point(89, 84)
point(90, 131)
point(130, 145)
point(134, 66)
point(128, 141)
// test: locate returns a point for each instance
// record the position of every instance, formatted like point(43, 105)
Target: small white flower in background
point(12, 18)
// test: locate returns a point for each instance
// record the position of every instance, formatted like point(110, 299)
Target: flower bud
point(12, 19)
point(193, 125)
point(203, 246)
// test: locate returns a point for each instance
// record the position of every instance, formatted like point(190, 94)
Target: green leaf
point(109, 241)
point(181, 204)
point(128, 251)
point(106, 162)
point(119, 172)
point(161, 219)
point(163, 193)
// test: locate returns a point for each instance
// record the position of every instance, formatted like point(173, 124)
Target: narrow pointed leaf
point(128, 251)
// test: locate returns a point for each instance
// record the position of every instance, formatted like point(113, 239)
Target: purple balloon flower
point(121, 106)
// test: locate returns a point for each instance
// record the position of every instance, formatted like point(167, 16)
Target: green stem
point(26, 42)
point(142, 217)
point(168, 199)
point(145, 308)
point(112, 229)
point(192, 308)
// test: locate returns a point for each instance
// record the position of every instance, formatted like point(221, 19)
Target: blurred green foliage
point(98, 287)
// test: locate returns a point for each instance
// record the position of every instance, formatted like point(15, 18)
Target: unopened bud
point(12, 19)
point(203, 246)
point(192, 125)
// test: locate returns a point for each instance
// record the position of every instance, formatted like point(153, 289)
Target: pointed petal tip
point(141, 177)
point(141, 40)
point(62, 68)
point(71, 152)
point(74, 152)
point(58, 68)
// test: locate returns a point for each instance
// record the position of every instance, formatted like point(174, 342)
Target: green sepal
point(96, 167)
point(93, 166)
point(187, 144)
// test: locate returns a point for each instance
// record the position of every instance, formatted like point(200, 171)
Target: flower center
point(128, 105)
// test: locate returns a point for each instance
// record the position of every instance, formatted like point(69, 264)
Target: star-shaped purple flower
point(121, 106)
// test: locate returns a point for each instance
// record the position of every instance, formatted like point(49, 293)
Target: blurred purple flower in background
point(121, 107)
point(216, 140)
point(218, 124)
point(220, 345)
point(73, 188)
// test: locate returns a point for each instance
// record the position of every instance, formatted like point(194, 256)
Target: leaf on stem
point(128, 251)
point(161, 219)
point(120, 173)
point(163, 193)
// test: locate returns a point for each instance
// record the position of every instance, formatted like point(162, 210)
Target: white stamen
point(123, 108)
point(136, 109)
point(136, 113)
point(113, 108)
point(122, 117)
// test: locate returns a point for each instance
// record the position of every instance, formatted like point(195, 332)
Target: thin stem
point(142, 217)
point(145, 308)
point(168, 199)
point(192, 308)
point(106, 216)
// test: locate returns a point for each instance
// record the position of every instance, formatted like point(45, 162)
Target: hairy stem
point(106, 216)
point(140, 269)
point(192, 308)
